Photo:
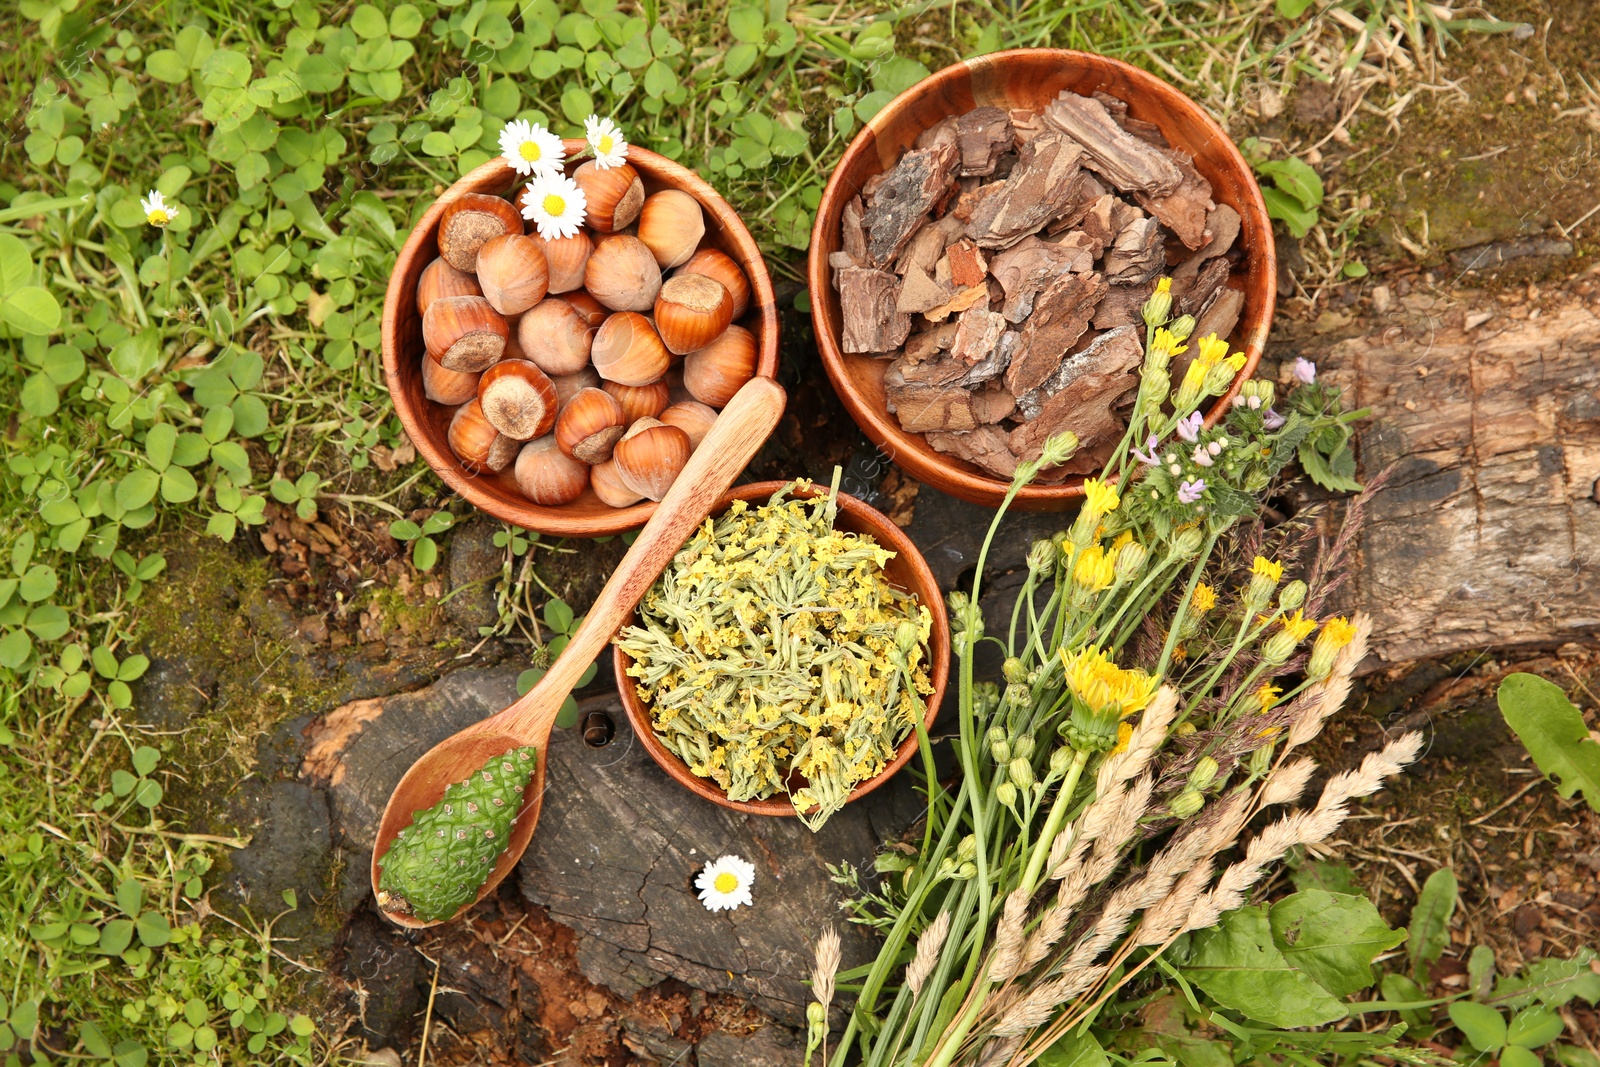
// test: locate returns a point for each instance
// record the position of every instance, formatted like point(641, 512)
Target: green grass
point(158, 384)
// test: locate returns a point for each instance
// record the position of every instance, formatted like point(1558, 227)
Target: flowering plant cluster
point(553, 202)
point(1159, 672)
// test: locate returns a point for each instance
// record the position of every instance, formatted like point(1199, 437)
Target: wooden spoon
point(738, 432)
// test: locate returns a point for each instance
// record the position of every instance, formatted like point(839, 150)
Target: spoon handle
point(738, 432)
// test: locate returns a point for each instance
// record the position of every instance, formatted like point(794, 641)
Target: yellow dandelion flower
point(1268, 695)
point(1103, 686)
point(1124, 735)
point(1167, 342)
point(1095, 569)
point(1204, 599)
point(1099, 498)
point(1213, 350)
point(1164, 285)
point(1337, 631)
point(1268, 569)
point(1299, 626)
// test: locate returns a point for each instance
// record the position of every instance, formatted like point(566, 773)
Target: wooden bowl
point(1024, 78)
point(907, 571)
point(427, 422)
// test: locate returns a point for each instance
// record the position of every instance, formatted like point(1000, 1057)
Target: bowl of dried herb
point(790, 656)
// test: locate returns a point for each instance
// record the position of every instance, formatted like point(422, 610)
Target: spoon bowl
point(741, 428)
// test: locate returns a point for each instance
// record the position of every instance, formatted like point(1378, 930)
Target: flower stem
point(1052, 825)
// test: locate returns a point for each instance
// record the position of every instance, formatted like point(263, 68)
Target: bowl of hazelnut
point(557, 344)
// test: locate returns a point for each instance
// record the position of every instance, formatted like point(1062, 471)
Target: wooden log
point(1487, 533)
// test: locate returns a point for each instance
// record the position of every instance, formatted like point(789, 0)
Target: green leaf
point(226, 69)
point(437, 143)
point(897, 74)
point(149, 792)
point(137, 488)
point(1292, 9)
point(130, 897)
point(1074, 1050)
point(15, 647)
point(94, 1041)
point(1534, 1027)
point(1325, 875)
point(302, 1026)
point(122, 782)
point(1517, 1056)
point(31, 310)
point(424, 554)
point(1430, 921)
point(38, 583)
point(178, 486)
point(1296, 178)
point(145, 758)
point(116, 936)
point(1402, 990)
point(405, 21)
point(1573, 1056)
point(576, 104)
point(154, 930)
point(1553, 732)
point(1480, 1024)
point(1551, 982)
point(136, 355)
point(738, 60)
point(747, 24)
point(166, 65)
point(1480, 970)
point(158, 444)
point(567, 717)
point(404, 530)
point(558, 616)
point(369, 22)
point(1238, 965)
point(438, 522)
point(1282, 206)
point(1333, 937)
point(39, 397)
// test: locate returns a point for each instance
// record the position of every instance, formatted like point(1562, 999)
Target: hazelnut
point(650, 456)
point(613, 196)
point(569, 385)
point(478, 445)
point(513, 272)
point(464, 333)
point(622, 274)
point(639, 401)
point(608, 485)
point(589, 425)
point(692, 417)
point(671, 224)
point(691, 312)
point(714, 373)
point(567, 257)
point(547, 476)
point(449, 387)
point(470, 220)
point(627, 350)
point(592, 311)
point(718, 265)
point(518, 399)
point(441, 279)
point(554, 335)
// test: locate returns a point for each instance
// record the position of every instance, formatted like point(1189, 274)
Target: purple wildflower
point(1202, 456)
point(1189, 492)
point(1190, 425)
point(1272, 420)
point(1305, 371)
point(1148, 457)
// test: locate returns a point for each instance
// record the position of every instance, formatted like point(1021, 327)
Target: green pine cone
point(437, 863)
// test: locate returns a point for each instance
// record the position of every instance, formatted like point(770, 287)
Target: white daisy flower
point(556, 205)
point(157, 212)
point(531, 149)
point(610, 147)
point(725, 883)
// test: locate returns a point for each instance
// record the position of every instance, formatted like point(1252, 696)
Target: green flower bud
point(1022, 747)
point(966, 871)
point(1158, 307)
point(1278, 648)
point(966, 848)
point(1204, 773)
point(1059, 448)
point(1041, 556)
point(907, 635)
point(1021, 772)
point(1187, 803)
point(999, 745)
point(947, 867)
point(957, 602)
point(1060, 760)
point(1013, 670)
point(1006, 793)
point(985, 698)
point(1182, 327)
point(1218, 379)
point(816, 1022)
point(1188, 542)
point(1260, 760)
point(1292, 595)
point(1130, 561)
point(1018, 695)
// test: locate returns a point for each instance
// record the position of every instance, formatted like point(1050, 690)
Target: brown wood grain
point(907, 571)
point(739, 431)
point(1023, 78)
point(425, 422)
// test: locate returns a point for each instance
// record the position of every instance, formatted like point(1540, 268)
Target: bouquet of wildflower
point(1156, 687)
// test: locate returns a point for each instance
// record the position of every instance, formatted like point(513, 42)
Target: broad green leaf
point(116, 936)
point(1333, 937)
point(178, 486)
point(1551, 982)
point(31, 310)
point(1287, 209)
point(122, 782)
point(558, 616)
point(738, 60)
point(145, 758)
point(1517, 1056)
point(1534, 1027)
point(1325, 875)
point(438, 143)
point(576, 104)
point(1554, 734)
point(1573, 1056)
point(39, 397)
point(166, 65)
point(1074, 1050)
point(95, 1041)
point(226, 69)
point(1297, 179)
point(136, 355)
point(1292, 9)
point(897, 74)
point(424, 554)
point(38, 583)
point(130, 897)
point(1238, 965)
point(149, 792)
point(369, 22)
point(1480, 1024)
point(154, 930)
point(1480, 971)
point(158, 443)
point(747, 24)
point(405, 21)
point(1430, 921)
point(404, 530)
point(49, 621)
point(15, 647)
point(137, 488)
